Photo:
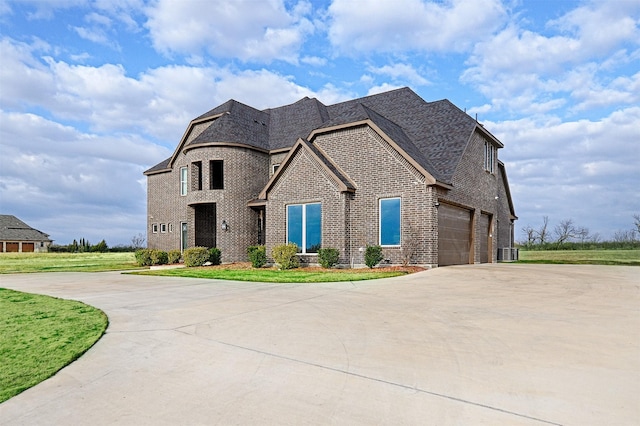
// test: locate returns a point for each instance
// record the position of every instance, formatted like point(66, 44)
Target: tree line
point(84, 246)
point(567, 235)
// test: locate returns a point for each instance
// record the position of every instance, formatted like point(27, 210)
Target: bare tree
point(137, 241)
point(530, 232)
point(543, 233)
point(582, 234)
point(636, 222)
point(623, 236)
point(564, 231)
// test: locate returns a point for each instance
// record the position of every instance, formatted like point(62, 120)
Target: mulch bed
point(405, 269)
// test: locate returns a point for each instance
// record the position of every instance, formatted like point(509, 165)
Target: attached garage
point(12, 247)
point(454, 235)
point(28, 247)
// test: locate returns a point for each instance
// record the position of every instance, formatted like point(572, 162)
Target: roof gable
point(342, 181)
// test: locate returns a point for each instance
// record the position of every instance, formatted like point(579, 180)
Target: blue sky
point(92, 93)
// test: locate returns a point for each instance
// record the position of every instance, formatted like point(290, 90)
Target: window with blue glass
point(389, 221)
point(304, 226)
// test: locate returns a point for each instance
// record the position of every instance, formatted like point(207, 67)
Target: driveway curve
point(481, 344)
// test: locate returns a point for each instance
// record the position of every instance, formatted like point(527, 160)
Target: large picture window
point(389, 209)
point(183, 180)
point(304, 226)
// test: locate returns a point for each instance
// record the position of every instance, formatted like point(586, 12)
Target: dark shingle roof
point(434, 134)
point(13, 229)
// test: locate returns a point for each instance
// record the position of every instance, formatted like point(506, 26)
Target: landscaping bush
point(373, 256)
point(215, 255)
point(328, 257)
point(174, 256)
point(257, 256)
point(196, 256)
point(143, 257)
point(286, 255)
point(159, 257)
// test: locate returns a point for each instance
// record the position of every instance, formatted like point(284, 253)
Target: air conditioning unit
point(507, 254)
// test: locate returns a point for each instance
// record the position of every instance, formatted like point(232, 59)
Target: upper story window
point(196, 176)
point(304, 226)
point(490, 157)
point(216, 174)
point(184, 178)
point(389, 232)
point(274, 168)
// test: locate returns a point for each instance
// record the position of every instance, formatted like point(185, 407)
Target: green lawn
point(275, 276)
point(39, 335)
point(65, 262)
point(593, 257)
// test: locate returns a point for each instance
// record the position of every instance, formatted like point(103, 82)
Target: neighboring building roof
point(433, 134)
point(13, 229)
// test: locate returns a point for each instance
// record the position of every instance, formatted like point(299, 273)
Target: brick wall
point(245, 173)
point(350, 220)
point(477, 189)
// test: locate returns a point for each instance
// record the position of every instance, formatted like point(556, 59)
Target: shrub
point(286, 255)
point(174, 256)
point(143, 257)
point(195, 256)
point(215, 255)
point(257, 256)
point(373, 256)
point(159, 257)
point(328, 257)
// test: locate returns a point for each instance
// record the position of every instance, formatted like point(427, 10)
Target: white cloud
point(159, 102)
point(401, 72)
point(586, 170)
point(385, 87)
point(409, 25)
point(248, 30)
point(534, 73)
point(56, 172)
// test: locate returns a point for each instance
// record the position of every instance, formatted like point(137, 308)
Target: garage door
point(485, 220)
point(27, 247)
point(13, 247)
point(454, 235)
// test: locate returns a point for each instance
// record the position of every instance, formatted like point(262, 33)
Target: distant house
point(18, 237)
point(421, 179)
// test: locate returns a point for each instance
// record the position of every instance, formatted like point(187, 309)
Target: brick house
point(18, 237)
point(421, 179)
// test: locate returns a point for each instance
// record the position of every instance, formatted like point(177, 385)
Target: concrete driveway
point(470, 345)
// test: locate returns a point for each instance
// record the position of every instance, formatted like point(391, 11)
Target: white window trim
point(304, 226)
point(274, 168)
point(170, 227)
point(490, 157)
point(380, 221)
point(163, 228)
point(184, 180)
point(154, 228)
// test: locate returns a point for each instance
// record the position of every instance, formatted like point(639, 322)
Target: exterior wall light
point(225, 225)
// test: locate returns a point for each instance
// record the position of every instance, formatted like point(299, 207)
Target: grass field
point(39, 335)
point(304, 275)
point(593, 257)
point(65, 262)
